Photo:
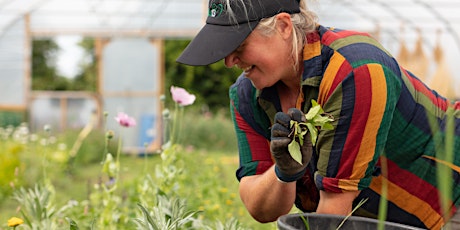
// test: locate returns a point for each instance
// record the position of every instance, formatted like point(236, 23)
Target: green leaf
point(314, 102)
point(149, 221)
point(315, 110)
point(327, 126)
point(304, 131)
point(294, 150)
point(314, 119)
point(313, 133)
point(320, 120)
point(73, 224)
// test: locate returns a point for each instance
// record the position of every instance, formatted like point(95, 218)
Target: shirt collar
point(312, 59)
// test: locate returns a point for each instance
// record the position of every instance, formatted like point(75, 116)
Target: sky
point(69, 56)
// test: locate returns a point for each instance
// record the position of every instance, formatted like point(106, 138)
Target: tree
point(44, 70)
point(86, 80)
point(210, 83)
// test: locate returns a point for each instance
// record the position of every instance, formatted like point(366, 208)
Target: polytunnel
point(422, 34)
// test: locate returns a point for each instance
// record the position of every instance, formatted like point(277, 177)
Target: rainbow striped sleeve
point(252, 130)
point(354, 90)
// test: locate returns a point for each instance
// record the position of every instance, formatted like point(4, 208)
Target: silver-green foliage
point(169, 214)
point(38, 208)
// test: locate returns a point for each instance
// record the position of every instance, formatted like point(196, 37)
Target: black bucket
point(332, 222)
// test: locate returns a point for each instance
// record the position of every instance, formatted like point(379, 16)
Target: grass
point(208, 183)
point(221, 188)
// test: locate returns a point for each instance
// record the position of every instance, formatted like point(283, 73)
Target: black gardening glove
point(286, 168)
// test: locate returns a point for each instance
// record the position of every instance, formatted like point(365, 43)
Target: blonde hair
point(303, 23)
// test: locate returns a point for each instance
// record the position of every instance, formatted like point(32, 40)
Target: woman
point(388, 125)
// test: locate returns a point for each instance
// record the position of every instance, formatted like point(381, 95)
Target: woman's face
point(264, 59)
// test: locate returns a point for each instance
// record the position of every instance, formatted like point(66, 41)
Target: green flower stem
point(104, 153)
point(44, 161)
point(383, 206)
point(180, 121)
point(444, 172)
point(444, 157)
point(107, 139)
point(117, 162)
point(174, 128)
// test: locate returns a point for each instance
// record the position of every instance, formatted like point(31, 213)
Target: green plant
point(231, 224)
point(38, 208)
point(108, 206)
point(444, 146)
point(361, 202)
point(167, 214)
point(10, 165)
point(110, 195)
point(307, 224)
point(314, 120)
point(209, 131)
point(13, 142)
point(383, 204)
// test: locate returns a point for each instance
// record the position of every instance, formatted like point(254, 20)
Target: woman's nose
point(231, 60)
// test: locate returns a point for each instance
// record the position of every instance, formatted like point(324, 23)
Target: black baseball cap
point(227, 27)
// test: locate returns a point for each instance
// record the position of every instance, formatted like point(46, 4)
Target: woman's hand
point(287, 169)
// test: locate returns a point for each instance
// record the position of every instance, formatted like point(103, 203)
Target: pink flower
point(124, 120)
point(181, 96)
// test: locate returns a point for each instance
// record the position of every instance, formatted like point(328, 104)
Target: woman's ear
point(284, 25)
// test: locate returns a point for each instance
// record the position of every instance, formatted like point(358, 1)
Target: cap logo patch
point(215, 10)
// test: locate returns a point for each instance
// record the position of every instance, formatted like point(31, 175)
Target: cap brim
point(214, 42)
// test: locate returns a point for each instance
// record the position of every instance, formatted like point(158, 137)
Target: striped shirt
point(389, 129)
